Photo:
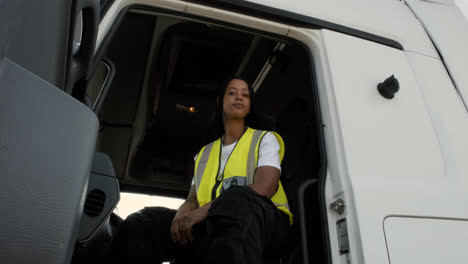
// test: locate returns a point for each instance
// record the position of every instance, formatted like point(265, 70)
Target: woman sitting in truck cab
point(236, 209)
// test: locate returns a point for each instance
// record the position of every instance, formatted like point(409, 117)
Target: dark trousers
point(241, 227)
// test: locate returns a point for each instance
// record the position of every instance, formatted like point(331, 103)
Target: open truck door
point(47, 137)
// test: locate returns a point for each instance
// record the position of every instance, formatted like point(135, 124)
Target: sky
point(130, 203)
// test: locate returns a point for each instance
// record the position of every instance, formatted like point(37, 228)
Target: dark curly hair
point(250, 119)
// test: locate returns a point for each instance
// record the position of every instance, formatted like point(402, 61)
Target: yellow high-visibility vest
point(239, 169)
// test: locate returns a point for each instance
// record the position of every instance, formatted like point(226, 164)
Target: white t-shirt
point(268, 154)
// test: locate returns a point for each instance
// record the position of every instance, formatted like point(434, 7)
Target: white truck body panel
point(400, 158)
point(387, 18)
point(448, 29)
point(426, 240)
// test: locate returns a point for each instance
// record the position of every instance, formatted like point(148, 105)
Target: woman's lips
point(238, 105)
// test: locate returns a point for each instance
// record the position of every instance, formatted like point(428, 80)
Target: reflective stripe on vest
point(239, 168)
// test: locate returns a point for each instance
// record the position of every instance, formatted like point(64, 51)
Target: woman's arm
point(267, 174)
point(266, 181)
point(191, 202)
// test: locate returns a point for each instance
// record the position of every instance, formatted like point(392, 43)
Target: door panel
point(47, 138)
point(46, 145)
point(389, 149)
point(383, 155)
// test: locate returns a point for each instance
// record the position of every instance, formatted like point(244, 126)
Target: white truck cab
point(371, 98)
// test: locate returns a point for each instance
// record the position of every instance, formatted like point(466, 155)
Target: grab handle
point(302, 224)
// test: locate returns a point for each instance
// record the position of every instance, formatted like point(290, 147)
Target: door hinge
point(338, 206)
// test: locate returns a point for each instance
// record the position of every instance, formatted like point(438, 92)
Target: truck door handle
point(302, 217)
point(80, 62)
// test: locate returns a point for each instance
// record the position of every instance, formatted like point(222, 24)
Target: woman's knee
point(144, 233)
point(234, 196)
point(239, 196)
point(150, 220)
point(235, 202)
point(153, 215)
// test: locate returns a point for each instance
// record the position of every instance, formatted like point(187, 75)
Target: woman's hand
point(181, 228)
point(181, 216)
point(188, 215)
point(183, 222)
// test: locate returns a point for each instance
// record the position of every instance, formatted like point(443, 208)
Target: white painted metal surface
point(237, 19)
point(389, 148)
point(387, 18)
point(448, 29)
point(450, 123)
point(426, 240)
point(118, 5)
point(401, 156)
point(188, 8)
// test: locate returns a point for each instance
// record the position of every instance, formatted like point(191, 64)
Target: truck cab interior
point(158, 110)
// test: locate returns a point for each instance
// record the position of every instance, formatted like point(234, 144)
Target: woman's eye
point(245, 95)
point(231, 93)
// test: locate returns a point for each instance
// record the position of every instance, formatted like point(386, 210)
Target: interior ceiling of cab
point(186, 64)
point(202, 55)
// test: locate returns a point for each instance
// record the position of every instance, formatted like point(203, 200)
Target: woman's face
point(236, 101)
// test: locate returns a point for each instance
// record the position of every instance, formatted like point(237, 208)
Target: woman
point(236, 209)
